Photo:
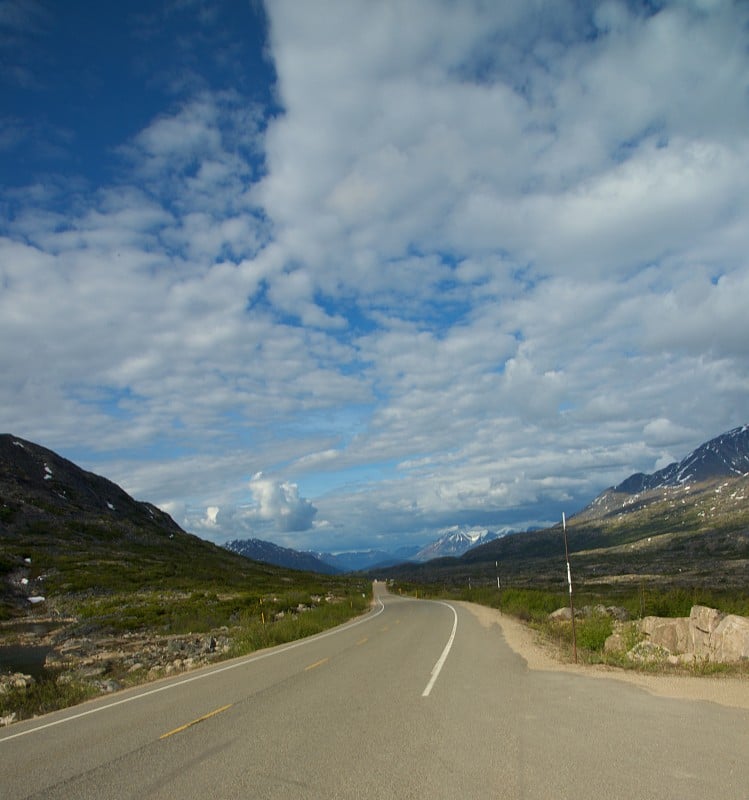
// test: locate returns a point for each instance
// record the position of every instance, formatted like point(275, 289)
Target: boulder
point(15, 680)
point(730, 639)
point(615, 643)
point(563, 614)
point(670, 633)
point(621, 638)
point(702, 624)
point(648, 653)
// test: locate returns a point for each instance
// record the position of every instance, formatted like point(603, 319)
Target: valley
point(124, 595)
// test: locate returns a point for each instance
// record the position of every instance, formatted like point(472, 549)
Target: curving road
point(416, 699)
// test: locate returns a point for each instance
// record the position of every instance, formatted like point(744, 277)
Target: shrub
point(45, 695)
point(592, 631)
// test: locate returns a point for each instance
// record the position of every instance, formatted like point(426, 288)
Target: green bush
point(531, 604)
point(43, 696)
point(593, 631)
point(261, 630)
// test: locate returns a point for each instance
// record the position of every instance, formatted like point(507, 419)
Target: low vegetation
point(533, 606)
point(249, 621)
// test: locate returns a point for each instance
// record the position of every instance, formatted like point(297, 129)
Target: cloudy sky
point(342, 273)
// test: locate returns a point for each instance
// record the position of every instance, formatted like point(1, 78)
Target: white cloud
point(280, 503)
point(486, 260)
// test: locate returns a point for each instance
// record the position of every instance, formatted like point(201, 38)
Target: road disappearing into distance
point(417, 699)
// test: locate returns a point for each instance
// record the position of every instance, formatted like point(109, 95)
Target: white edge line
point(206, 674)
point(441, 660)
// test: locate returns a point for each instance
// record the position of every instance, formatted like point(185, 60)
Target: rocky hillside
point(720, 463)
point(38, 486)
point(65, 530)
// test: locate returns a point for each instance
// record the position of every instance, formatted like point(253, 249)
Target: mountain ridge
point(270, 553)
point(725, 455)
point(455, 541)
point(65, 531)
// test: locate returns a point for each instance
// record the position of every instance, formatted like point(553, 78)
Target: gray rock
point(671, 633)
point(702, 623)
point(15, 680)
point(618, 613)
point(730, 639)
point(648, 653)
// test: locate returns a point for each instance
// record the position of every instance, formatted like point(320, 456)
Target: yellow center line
point(364, 640)
point(195, 721)
point(317, 664)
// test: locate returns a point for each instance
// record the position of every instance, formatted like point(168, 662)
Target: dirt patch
point(726, 691)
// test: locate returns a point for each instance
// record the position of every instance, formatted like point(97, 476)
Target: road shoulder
point(726, 691)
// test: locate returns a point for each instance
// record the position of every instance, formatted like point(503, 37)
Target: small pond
point(28, 659)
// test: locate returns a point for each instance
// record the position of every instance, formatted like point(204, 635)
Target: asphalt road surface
point(415, 700)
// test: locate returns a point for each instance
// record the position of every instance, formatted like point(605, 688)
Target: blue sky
point(344, 274)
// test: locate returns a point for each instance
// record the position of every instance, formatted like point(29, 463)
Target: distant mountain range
point(453, 542)
point(356, 560)
point(725, 456)
point(269, 553)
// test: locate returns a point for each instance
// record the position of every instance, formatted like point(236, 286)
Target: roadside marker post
point(499, 586)
point(569, 583)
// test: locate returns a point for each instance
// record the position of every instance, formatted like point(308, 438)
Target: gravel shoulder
point(726, 691)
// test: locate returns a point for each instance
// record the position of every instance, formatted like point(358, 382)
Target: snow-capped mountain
point(455, 541)
point(725, 456)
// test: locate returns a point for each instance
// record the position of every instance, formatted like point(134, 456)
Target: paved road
point(363, 713)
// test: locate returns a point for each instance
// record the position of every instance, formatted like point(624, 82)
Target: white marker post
point(569, 583)
point(499, 586)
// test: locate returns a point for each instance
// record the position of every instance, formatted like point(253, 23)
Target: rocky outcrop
point(564, 614)
point(730, 639)
point(107, 663)
point(706, 634)
point(673, 634)
point(133, 653)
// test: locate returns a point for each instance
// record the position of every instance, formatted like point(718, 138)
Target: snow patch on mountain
point(456, 540)
point(725, 455)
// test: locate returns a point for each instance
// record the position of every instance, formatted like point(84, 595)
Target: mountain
point(684, 526)
point(455, 541)
point(39, 487)
point(356, 560)
point(723, 458)
point(66, 531)
point(270, 553)
point(726, 455)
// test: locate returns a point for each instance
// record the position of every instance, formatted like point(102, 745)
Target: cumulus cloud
point(280, 503)
point(473, 263)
